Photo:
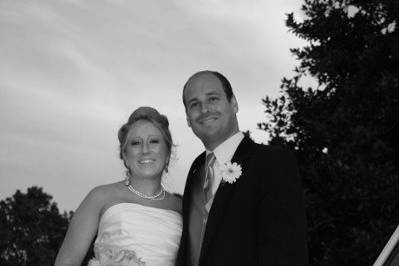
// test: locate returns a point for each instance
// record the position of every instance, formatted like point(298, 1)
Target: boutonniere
point(93, 262)
point(230, 172)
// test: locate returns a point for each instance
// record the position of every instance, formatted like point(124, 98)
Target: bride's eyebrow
point(154, 136)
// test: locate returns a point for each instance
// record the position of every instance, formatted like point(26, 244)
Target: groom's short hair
point(228, 90)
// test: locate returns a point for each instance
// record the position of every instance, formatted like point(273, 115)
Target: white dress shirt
point(223, 153)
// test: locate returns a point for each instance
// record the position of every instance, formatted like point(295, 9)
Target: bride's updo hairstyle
point(151, 115)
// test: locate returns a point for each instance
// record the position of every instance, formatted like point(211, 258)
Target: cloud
point(71, 72)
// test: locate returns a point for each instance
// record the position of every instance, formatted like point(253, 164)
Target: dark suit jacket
point(259, 219)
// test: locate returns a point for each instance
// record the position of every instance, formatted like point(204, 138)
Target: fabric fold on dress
point(134, 234)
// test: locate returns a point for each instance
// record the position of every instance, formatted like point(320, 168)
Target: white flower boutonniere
point(93, 262)
point(230, 172)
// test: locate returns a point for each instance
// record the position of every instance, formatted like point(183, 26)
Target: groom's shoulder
point(197, 162)
point(272, 150)
point(198, 159)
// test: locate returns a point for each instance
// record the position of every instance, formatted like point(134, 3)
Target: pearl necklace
point(156, 196)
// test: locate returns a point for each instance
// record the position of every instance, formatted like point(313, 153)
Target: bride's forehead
point(141, 127)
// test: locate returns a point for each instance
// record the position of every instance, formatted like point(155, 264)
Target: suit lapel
point(223, 195)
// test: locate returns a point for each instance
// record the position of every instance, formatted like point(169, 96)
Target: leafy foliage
point(31, 228)
point(345, 129)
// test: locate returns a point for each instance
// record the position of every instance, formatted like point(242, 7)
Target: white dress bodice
point(133, 234)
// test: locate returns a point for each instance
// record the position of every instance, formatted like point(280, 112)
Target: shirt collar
point(225, 151)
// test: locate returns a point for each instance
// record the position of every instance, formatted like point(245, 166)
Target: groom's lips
point(207, 118)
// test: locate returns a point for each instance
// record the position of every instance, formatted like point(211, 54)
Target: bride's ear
point(188, 121)
point(124, 160)
point(166, 166)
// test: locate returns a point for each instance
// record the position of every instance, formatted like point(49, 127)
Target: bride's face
point(145, 151)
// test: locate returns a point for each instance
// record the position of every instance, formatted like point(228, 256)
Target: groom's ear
point(188, 121)
point(234, 104)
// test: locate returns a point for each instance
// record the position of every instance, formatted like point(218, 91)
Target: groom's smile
point(208, 119)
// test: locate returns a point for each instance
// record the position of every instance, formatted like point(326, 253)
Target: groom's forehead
point(203, 93)
point(203, 84)
point(202, 79)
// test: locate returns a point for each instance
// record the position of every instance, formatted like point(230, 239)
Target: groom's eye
point(193, 105)
point(213, 99)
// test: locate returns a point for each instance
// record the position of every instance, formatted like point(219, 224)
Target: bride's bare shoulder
point(105, 190)
point(102, 194)
point(175, 202)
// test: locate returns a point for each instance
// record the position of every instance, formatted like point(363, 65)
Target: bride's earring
point(165, 167)
point(127, 177)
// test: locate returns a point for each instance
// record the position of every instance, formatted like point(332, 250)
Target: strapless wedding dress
point(131, 234)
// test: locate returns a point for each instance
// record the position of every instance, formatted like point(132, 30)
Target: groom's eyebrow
point(191, 100)
point(211, 93)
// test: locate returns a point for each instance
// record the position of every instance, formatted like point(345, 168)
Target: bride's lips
point(146, 161)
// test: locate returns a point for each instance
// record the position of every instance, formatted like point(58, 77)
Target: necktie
point(209, 176)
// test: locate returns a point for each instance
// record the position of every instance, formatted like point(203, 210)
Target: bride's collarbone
point(170, 202)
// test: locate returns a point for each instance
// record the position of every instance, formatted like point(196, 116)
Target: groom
point(243, 202)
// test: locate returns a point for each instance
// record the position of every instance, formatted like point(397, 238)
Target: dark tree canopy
point(345, 128)
point(31, 228)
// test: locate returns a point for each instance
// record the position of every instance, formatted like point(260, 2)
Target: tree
point(345, 128)
point(31, 228)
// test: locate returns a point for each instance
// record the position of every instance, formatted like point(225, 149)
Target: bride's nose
point(145, 147)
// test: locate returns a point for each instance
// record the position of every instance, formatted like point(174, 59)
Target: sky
point(72, 71)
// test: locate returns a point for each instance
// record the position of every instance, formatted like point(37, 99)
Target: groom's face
point(210, 114)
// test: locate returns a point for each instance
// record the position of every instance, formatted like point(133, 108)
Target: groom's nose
point(205, 107)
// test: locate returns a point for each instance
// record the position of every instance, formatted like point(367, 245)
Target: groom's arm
point(282, 222)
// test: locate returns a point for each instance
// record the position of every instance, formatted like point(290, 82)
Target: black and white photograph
point(199, 133)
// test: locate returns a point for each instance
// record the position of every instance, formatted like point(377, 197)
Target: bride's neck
point(146, 186)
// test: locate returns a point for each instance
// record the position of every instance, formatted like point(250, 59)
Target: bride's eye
point(154, 141)
point(134, 142)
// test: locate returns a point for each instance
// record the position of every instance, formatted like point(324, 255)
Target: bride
point(136, 221)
